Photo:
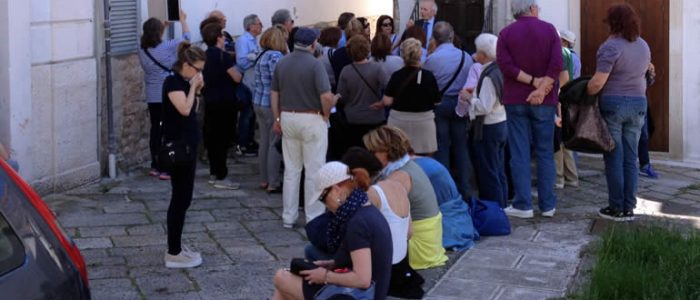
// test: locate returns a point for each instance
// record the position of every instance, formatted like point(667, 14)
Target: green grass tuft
point(637, 262)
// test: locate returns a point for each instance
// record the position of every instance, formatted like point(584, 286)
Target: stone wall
point(131, 120)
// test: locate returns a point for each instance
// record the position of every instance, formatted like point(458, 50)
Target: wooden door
point(654, 15)
point(467, 18)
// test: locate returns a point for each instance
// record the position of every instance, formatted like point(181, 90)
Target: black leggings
point(219, 126)
point(182, 182)
point(154, 111)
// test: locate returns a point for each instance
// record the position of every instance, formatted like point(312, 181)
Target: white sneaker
point(185, 259)
point(559, 186)
point(549, 213)
point(212, 179)
point(226, 184)
point(519, 213)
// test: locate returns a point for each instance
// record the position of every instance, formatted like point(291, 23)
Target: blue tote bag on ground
point(489, 218)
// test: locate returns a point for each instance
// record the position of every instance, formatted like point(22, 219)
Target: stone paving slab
point(120, 228)
point(541, 257)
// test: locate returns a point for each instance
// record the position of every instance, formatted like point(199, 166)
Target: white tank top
point(397, 225)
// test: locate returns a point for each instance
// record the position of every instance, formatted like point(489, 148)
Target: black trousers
point(219, 125)
point(182, 183)
point(154, 111)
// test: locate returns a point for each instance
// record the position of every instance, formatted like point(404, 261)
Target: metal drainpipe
point(111, 138)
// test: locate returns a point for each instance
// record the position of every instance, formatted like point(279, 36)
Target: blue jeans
point(643, 148)
point(536, 122)
point(452, 139)
point(625, 117)
point(246, 127)
point(489, 161)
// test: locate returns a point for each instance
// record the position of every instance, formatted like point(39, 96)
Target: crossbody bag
point(153, 59)
point(454, 77)
point(366, 83)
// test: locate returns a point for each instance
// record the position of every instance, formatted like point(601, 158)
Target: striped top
point(154, 76)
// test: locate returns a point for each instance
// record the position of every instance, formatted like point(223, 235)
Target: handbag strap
point(365, 81)
point(153, 59)
point(454, 77)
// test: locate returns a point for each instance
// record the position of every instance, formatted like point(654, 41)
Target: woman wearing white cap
point(358, 235)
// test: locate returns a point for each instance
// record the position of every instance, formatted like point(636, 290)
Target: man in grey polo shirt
point(301, 100)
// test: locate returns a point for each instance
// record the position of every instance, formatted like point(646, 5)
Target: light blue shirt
point(343, 40)
point(245, 45)
point(444, 62)
point(577, 64)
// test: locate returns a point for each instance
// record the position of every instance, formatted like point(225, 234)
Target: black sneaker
point(250, 152)
point(611, 213)
point(628, 215)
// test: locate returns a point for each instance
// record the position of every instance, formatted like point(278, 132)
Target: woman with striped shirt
point(157, 58)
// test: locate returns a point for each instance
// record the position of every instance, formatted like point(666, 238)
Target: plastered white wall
point(304, 12)
point(691, 80)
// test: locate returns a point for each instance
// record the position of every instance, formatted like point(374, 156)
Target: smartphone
point(173, 7)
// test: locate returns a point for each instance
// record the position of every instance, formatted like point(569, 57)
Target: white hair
point(432, 3)
point(521, 7)
point(486, 43)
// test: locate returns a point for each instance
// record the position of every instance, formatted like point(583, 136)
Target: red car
point(38, 260)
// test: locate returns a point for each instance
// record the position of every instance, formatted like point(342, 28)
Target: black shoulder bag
point(454, 77)
point(366, 83)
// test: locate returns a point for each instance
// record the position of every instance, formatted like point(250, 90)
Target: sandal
point(274, 190)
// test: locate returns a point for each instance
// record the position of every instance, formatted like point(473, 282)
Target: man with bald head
point(229, 44)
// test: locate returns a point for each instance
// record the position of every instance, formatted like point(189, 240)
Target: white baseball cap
point(330, 174)
point(568, 36)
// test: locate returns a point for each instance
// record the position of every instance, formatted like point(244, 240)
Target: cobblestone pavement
point(119, 227)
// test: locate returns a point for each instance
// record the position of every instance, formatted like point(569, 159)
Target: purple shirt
point(531, 45)
point(626, 62)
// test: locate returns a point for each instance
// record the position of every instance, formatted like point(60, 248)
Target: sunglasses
point(387, 25)
point(194, 67)
point(324, 194)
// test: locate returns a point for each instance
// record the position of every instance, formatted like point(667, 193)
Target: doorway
point(467, 18)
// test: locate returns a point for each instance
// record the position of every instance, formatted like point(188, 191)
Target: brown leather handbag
point(583, 126)
point(590, 132)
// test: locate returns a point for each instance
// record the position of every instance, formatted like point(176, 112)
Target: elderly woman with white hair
point(488, 115)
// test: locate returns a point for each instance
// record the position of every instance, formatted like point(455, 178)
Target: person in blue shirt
point(343, 21)
point(427, 10)
point(451, 129)
point(247, 50)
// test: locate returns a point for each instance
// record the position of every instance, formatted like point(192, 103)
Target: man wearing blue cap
point(301, 101)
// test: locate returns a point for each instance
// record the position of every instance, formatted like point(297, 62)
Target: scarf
point(337, 226)
point(395, 165)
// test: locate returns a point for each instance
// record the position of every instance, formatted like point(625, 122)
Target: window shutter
point(123, 15)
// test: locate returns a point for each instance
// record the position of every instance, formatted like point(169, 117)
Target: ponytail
point(188, 54)
point(361, 178)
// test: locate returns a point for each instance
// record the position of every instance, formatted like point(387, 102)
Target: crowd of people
point(391, 135)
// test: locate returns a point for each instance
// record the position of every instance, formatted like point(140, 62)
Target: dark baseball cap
point(305, 36)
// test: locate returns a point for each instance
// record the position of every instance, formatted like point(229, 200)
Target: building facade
point(53, 112)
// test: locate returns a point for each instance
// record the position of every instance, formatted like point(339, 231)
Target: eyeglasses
point(324, 194)
point(194, 67)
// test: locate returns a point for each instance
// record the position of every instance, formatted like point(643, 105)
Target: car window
point(11, 249)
